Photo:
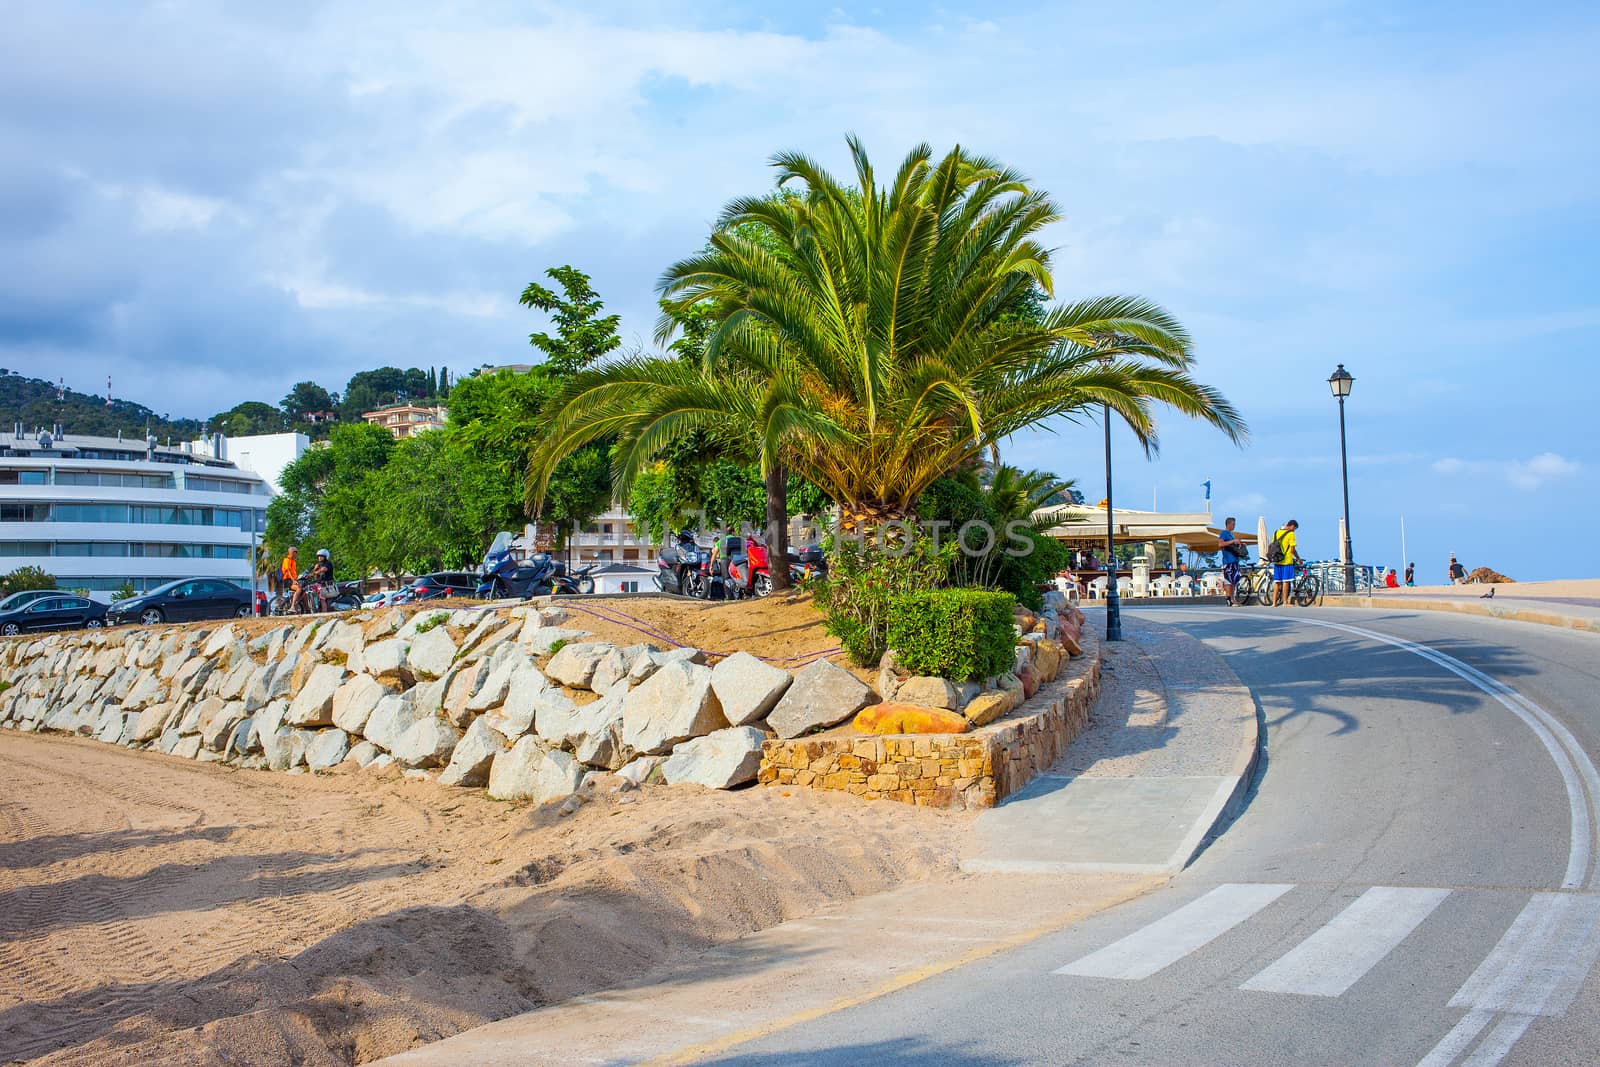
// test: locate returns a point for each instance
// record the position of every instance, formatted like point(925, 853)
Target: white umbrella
point(1343, 558)
point(1261, 537)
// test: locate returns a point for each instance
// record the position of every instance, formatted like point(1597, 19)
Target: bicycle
point(1305, 590)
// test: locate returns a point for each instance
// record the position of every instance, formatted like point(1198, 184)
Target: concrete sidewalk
point(1170, 746)
point(1573, 605)
point(1167, 758)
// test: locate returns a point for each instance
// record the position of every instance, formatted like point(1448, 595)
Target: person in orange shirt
point(289, 573)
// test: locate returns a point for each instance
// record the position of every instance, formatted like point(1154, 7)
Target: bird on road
point(1489, 595)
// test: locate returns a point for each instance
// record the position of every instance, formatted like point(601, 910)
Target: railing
point(1332, 575)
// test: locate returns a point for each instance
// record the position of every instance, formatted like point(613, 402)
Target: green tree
point(305, 398)
point(23, 579)
point(250, 417)
point(880, 347)
point(582, 334)
point(326, 498)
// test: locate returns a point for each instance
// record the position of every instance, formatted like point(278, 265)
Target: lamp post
point(1340, 382)
point(1113, 601)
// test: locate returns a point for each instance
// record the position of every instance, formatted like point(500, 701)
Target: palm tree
point(867, 341)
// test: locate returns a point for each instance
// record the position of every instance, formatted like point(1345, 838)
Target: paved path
point(1415, 881)
point(1167, 757)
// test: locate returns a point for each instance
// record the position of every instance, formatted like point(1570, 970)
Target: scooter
point(504, 576)
point(749, 574)
point(679, 567)
point(580, 581)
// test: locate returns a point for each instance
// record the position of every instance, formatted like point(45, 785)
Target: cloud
point(1527, 474)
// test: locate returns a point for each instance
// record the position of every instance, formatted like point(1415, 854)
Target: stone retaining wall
point(968, 770)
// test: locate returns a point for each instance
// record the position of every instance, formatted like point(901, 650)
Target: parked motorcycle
point(580, 581)
point(806, 564)
point(680, 567)
point(504, 576)
point(745, 571)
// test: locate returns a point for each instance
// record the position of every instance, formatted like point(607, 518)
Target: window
point(605, 527)
point(24, 477)
point(217, 485)
point(92, 513)
point(24, 548)
point(114, 478)
point(10, 512)
point(162, 550)
point(91, 548)
point(629, 587)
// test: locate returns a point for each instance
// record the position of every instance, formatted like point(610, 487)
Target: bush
point(958, 634)
point(862, 580)
point(25, 578)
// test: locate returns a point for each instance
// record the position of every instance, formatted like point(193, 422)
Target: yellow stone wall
point(977, 769)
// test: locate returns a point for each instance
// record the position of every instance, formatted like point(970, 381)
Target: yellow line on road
point(694, 1053)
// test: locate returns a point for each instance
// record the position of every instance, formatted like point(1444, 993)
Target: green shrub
point(23, 579)
point(558, 644)
point(959, 634)
point(432, 622)
point(861, 582)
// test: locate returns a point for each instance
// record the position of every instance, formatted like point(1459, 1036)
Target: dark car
point(16, 600)
point(186, 600)
point(62, 611)
point(443, 584)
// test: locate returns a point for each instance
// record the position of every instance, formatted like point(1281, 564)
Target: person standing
point(1284, 554)
point(1232, 552)
point(1411, 574)
point(289, 573)
point(1458, 573)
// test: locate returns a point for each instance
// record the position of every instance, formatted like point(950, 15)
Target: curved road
point(1413, 882)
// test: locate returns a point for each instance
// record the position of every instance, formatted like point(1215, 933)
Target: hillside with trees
point(35, 402)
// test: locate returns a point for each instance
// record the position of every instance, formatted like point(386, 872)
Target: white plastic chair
point(1212, 584)
point(1097, 588)
point(1161, 586)
point(1124, 587)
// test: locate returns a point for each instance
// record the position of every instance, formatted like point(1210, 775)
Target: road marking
point(1175, 935)
point(1334, 958)
point(1551, 947)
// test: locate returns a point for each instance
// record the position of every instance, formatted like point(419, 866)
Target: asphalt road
point(1413, 882)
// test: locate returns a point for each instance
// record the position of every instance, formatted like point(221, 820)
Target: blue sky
point(212, 201)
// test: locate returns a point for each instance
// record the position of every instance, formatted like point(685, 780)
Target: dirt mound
point(154, 910)
point(1486, 574)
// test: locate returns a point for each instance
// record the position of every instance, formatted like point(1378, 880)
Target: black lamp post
point(1340, 382)
point(1113, 601)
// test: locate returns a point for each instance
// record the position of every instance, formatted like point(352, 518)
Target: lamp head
point(1340, 382)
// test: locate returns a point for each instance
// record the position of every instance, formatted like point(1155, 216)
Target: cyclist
point(1232, 553)
point(1283, 569)
point(321, 579)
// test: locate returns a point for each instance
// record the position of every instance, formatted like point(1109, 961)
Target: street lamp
point(1113, 600)
point(1340, 382)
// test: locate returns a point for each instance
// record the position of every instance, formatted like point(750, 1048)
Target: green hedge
point(959, 634)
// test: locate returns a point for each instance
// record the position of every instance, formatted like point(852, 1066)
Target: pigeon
point(1489, 595)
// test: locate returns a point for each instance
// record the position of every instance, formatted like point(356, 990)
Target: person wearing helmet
point(320, 580)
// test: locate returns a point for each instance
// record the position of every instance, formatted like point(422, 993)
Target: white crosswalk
point(1536, 969)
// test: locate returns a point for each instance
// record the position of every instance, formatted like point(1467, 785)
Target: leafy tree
point(436, 503)
point(23, 579)
point(305, 398)
point(326, 497)
point(250, 417)
point(872, 353)
point(582, 335)
point(35, 402)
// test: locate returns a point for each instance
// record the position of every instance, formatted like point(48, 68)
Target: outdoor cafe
point(1171, 545)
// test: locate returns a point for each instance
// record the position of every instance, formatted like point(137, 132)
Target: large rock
point(427, 620)
point(146, 691)
point(615, 665)
point(431, 653)
point(313, 704)
point(720, 760)
point(593, 732)
point(459, 688)
point(152, 721)
point(822, 695)
point(672, 705)
point(470, 760)
point(268, 683)
point(355, 701)
point(386, 661)
point(895, 717)
point(394, 715)
point(300, 742)
point(525, 693)
point(363, 753)
point(747, 687)
point(188, 747)
point(574, 665)
point(929, 692)
point(427, 743)
point(540, 639)
point(530, 771)
point(495, 680)
point(986, 707)
point(214, 733)
point(328, 750)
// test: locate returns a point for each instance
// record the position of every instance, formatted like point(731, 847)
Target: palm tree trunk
point(778, 526)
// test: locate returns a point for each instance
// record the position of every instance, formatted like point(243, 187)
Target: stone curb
point(1484, 608)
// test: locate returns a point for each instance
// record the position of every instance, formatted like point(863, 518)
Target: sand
point(155, 910)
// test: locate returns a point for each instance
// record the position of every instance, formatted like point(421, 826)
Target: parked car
point(58, 612)
point(186, 600)
point(16, 600)
point(442, 584)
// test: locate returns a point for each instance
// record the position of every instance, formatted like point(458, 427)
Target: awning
point(1079, 524)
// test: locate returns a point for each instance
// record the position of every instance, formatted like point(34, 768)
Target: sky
point(209, 201)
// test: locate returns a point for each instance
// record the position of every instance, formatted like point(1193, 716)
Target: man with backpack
point(1283, 554)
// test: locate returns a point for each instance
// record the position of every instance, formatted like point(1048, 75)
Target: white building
point(100, 513)
point(610, 538)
